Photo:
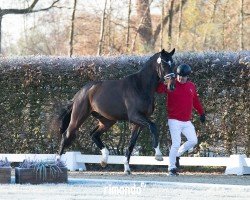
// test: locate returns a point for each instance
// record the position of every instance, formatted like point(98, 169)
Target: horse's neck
point(148, 77)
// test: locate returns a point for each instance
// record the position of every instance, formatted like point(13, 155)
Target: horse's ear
point(163, 51)
point(172, 52)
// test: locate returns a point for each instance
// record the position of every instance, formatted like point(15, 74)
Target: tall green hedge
point(33, 89)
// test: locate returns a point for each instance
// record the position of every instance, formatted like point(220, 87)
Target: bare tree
point(224, 24)
point(109, 32)
point(165, 21)
point(162, 17)
point(211, 20)
point(170, 23)
point(241, 24)
point(71, 39)
point(179, 22)
point(100, 46)
point(27, 10)
point(145, 26)
point(143, 11)
point(128, 24)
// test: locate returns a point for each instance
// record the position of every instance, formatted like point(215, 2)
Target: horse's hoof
point(158, 157)
point(103, 164)
point(58, 158)
point(127, 172)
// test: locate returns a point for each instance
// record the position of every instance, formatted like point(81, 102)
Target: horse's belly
point(116, 116)
point(111, 110)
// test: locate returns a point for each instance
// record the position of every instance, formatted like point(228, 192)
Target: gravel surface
point(139, 185)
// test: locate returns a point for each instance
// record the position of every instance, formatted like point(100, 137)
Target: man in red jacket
point(180, 103)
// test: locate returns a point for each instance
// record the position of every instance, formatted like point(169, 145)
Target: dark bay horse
point(130, 99)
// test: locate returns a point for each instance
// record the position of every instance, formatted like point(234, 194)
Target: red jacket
point(181, 101)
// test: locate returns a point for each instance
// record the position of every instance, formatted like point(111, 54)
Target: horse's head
point(165, 68)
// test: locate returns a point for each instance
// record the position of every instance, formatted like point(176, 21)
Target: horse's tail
point(64, 117)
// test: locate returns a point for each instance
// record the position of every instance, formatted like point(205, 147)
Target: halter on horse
point(130, 99)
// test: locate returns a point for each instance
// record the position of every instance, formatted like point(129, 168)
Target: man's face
point(182, 79)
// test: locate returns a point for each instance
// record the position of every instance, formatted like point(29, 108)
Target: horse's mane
point(144, 67)
point(148, 63)
point(138, 79)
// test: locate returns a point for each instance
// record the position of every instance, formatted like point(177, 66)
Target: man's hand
point(203, 118)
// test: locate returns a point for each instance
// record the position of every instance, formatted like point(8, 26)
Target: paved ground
point(139, 185)
point(187, 177)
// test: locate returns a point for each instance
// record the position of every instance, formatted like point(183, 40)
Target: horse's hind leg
point(135, 133)
point(104, 125)
point(79, 114)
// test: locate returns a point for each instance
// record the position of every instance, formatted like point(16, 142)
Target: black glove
point(203, 118)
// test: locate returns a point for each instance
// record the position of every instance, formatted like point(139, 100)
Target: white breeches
point(177, 127)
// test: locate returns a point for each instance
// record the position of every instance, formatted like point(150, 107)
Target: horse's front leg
point(155, 136)
point(158, 154)
point(135, 133)
point(143, 121)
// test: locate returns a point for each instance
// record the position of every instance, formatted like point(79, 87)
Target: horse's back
point(116, 99)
